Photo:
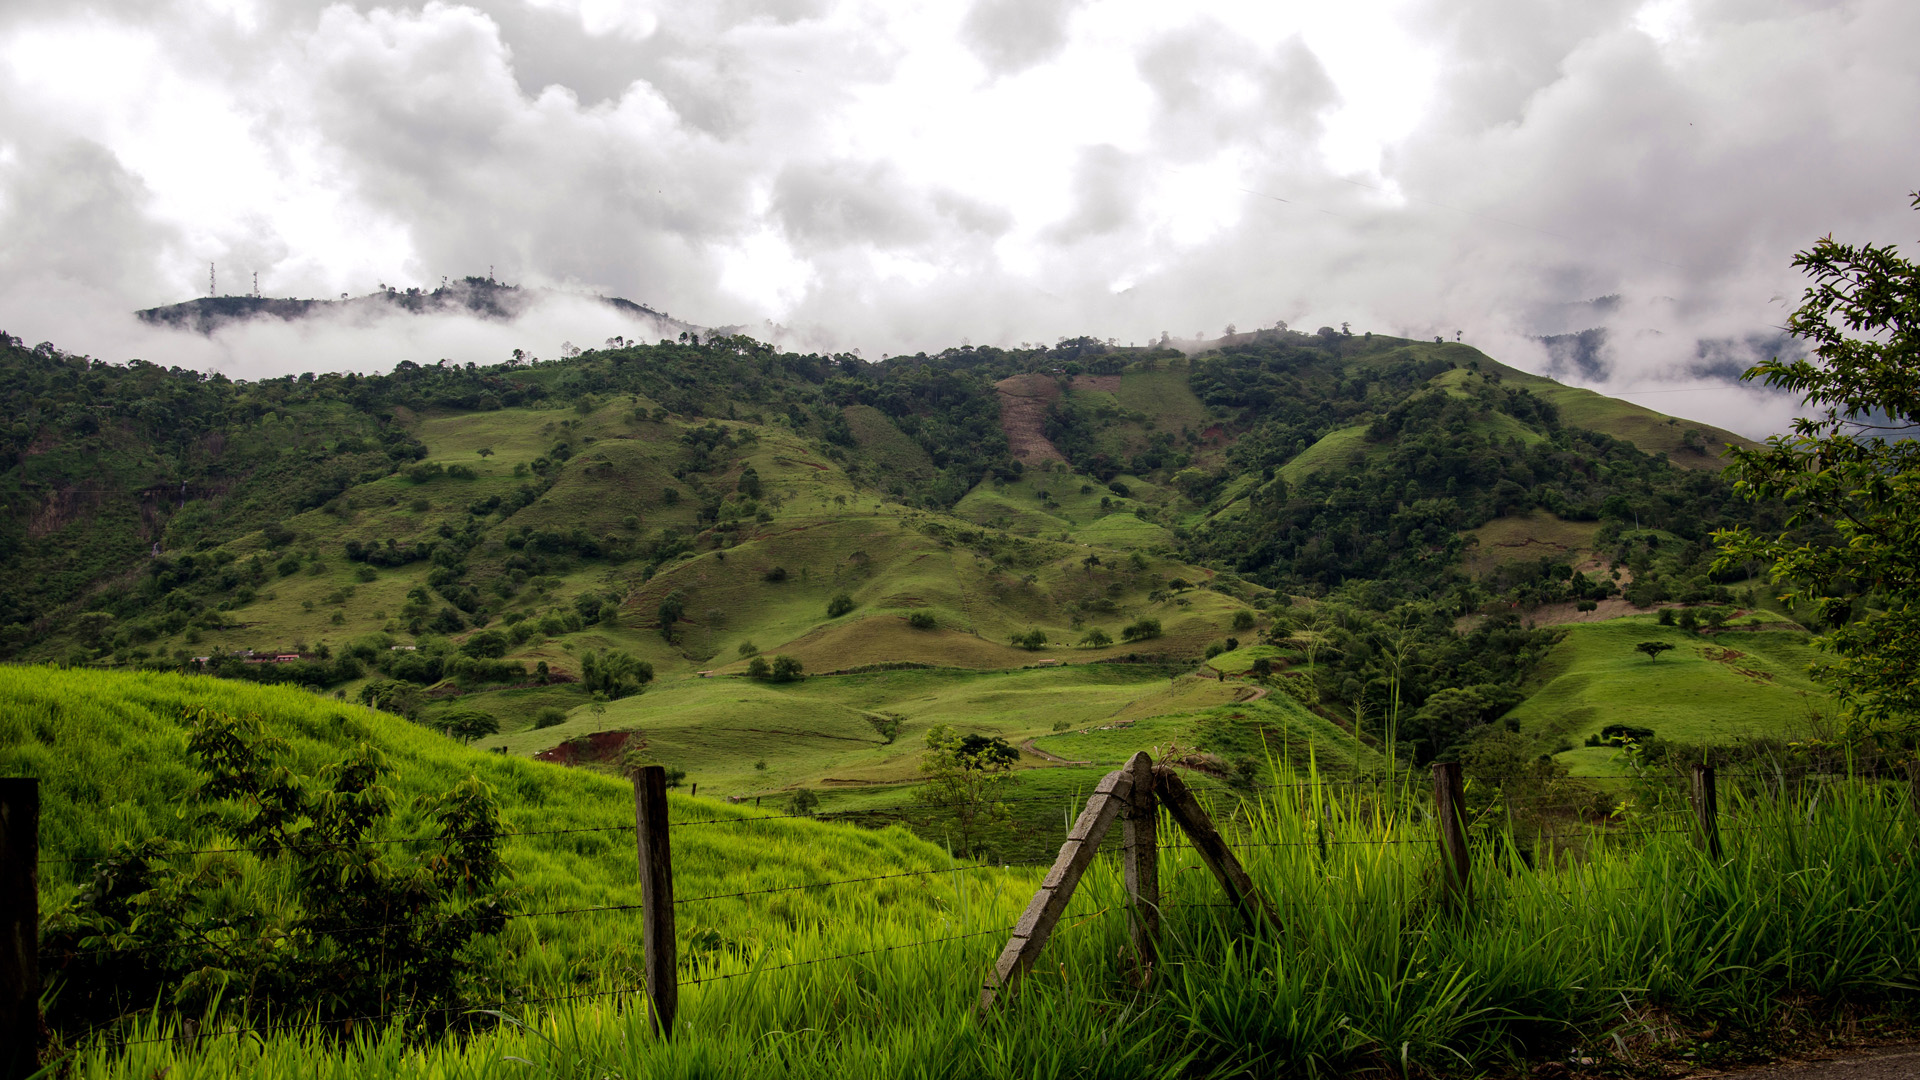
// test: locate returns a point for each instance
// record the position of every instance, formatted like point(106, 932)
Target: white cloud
point(899, 177)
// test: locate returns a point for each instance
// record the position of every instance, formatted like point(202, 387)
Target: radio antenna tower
point(210, 291)
point(256, 283)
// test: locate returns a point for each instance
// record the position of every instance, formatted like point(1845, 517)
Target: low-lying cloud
point(1606, 192)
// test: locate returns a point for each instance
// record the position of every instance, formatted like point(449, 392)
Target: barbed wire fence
point(1138, 794)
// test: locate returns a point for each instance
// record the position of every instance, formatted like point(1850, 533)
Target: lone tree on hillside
point(1854, 468)
point(1653, 649)
point(965, 778)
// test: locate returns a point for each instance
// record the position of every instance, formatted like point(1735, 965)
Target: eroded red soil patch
point(594, 749)
point(1024, 400)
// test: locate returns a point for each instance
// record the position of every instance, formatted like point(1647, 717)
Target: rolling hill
point(451, 540)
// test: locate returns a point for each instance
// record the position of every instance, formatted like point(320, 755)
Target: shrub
point(1214, 649)
point(839, 605)
point(804, 801)
point(549, 716)
point(1033, 640)
point(757, 668)
point(1242, 620)
point(785, 669)
point(776, 575)
point(922, 620)
point(748, 648)
point(491, 644)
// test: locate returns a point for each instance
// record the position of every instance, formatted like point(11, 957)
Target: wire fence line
point(496, 1006)
point(1419, 820)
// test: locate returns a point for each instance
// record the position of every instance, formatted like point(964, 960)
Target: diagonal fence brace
point(1050, 902)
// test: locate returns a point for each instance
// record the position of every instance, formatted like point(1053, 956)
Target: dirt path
point(1044, 756)
point(1886, 1063)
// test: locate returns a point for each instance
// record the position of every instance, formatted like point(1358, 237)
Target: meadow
point(1622, 943)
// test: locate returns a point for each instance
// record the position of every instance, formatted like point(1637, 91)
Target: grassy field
point(1366, 969)
point(1709, 688)
point(1334, 451)
point(1524, 537)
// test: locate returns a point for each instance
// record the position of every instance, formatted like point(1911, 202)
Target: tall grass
point(1587, 933)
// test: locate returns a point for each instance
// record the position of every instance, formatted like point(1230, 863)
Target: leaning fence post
point(656, 894)
point(1140, 832)
point(1450, 808)
point(20, 927)
point(1706, 809)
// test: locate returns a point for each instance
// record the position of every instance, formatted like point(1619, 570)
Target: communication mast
point(256, 284)
point(210, 289)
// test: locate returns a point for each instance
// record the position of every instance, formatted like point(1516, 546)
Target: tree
point(804, 801)
point(1033, 640)
point(1850, 475)
point(785, 669)
point(1653, 649)
point(839, 605)
point(470, 724)
point(1140, 630)
point(757, 668)
point(1097, 638)
point(614, 673)
point(92, 626)
point(485, 644)
point(671, 610)
point(965, 778)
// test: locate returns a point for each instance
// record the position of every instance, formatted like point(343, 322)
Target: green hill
point(455, 539)
point(109, 750)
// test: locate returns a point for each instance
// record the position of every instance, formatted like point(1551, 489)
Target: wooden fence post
point(656, 895)
point(1450, 810)
point(1141, 834)
point(1706, 809)
point(1050, 902)
point(1186, 813)
point(19, 927)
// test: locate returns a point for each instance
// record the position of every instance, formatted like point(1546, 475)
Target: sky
point(895, 177)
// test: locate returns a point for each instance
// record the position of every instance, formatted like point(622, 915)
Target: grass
point(1640, 950)
point(1701, 691)
point(109, 751)
point(1525, 537)
point(1333, 451)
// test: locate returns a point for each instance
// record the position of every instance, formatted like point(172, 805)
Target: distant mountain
point(482, 297)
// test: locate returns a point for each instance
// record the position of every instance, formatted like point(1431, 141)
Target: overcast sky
point(897, 177)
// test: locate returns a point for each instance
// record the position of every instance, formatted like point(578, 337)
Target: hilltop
point(605, 544)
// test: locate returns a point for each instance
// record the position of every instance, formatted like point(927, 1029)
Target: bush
point(614, 673)
point(757, 668)
point(922, 620)
point(748, 648)
point(549, 716)
point(804, 801)
point(839, 605)
point(1033, 640)
point(785, 669)
point(488, 644)
point(776, 575)
point(1242, 620)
